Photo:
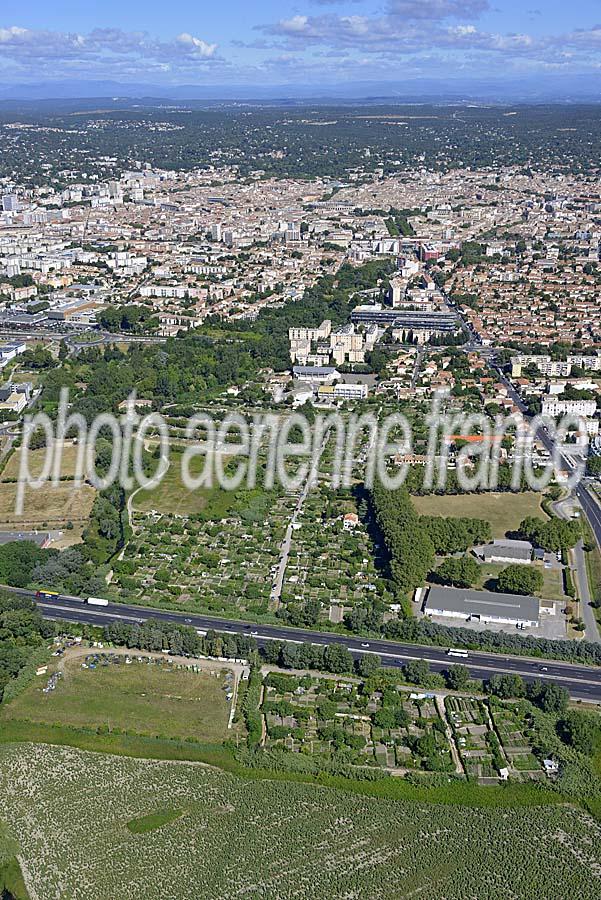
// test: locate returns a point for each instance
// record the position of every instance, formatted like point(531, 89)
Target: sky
point(278, 42)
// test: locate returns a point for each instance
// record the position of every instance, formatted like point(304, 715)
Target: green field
point(141, 698)
point(214, 503)
point(504, 511)
point(201, 833)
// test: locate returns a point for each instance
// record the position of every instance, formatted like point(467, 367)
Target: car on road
point(543, 668)
point(254, 633)
point(188, 621)
point(365, 644)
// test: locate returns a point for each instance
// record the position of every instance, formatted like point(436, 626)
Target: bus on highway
point(97, 601)
point(47, 595)
point(462, 654)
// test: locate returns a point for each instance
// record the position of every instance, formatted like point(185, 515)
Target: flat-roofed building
point(508, 551)
point(483, 606)
point(316, 374)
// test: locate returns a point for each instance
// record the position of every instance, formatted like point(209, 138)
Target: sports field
point(504, 511)
point(146, 698)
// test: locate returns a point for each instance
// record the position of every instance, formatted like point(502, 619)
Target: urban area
point(425, 644)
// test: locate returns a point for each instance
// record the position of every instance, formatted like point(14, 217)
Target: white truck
point(97, 601)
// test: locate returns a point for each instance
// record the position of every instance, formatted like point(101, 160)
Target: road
point(589, 504)
point(71, 337)
point(590, 622)
point(418, 362)
point(583, 682)
point(588, 615)
point(285, 546)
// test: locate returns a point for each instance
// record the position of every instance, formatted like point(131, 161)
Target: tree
point(593, 466)
point(554, 535)
point(417, 671)
point(462, 572)
point(18, 560)
point(506, 686)
point(551, 698)
point(457, 678)
point(402, 719)
point(385, 717)
point(326, 709)
point(39, 358)
point(368, 664)
point(409, 545)
point(581, 730)
point(338, 659)
point(519, 579)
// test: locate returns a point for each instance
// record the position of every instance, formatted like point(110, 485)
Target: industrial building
point(483, 606)
point(508, 551)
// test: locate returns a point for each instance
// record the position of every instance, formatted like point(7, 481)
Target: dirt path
point(459, 770)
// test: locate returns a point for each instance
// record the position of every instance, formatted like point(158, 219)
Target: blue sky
point(296, 41)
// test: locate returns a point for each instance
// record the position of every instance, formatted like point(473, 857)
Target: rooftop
point(483, 603)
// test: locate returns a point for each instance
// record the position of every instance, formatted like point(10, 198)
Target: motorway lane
point(591, 508)
point(583, 682)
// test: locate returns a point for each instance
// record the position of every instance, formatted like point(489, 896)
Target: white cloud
point(196, 45)
point(295, 25)
point(107, 52)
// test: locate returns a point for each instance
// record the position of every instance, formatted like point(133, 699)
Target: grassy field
point(49, 506)
point(172, 497)
point(504, 511)
point(553, 585)
point(146, 699)
point(73, 812)
point(36, 460)
point(593, 565)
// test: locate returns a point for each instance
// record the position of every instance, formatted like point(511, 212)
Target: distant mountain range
point(549, 88)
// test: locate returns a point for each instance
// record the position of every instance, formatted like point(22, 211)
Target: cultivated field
point(219, 566)
point(92, 826)
point(504, 511)
point(145, 698)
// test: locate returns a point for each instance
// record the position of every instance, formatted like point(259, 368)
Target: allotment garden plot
point(220, 564)
point(331, 562)
point(345, 720)
point(492, 737)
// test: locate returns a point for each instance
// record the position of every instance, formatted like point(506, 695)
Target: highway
point(583, 682)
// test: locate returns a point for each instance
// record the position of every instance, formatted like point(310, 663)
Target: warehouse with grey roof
point(483, 606)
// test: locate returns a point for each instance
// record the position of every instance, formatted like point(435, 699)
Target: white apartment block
point(177, 291)
point(350, 391)
point(552, 368)
point(311, 334)
point(555, 368)
point(553, 407)
point(589, 363)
